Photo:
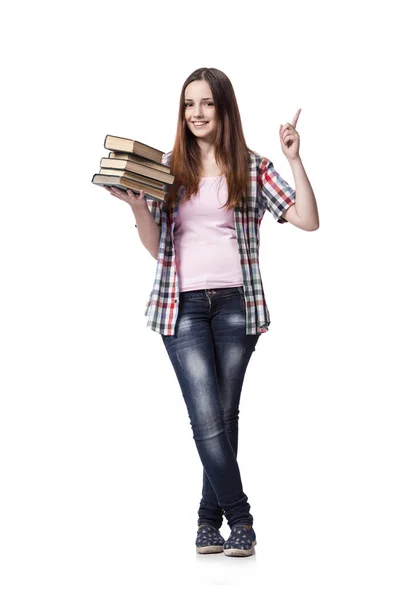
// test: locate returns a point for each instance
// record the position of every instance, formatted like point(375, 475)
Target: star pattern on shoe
point(240, 538)
point(209, 539)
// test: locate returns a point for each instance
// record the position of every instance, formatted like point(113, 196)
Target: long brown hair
point(231, 151)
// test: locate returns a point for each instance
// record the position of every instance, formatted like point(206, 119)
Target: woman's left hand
point(290, 139)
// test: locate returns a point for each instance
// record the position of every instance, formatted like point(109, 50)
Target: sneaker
point(240, 542)
point(209, 540)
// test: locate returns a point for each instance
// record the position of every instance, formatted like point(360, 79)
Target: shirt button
point(175, 301)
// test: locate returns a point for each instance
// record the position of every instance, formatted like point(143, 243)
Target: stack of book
point(133, 165)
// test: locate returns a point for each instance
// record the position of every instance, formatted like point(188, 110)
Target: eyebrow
point(190, 100)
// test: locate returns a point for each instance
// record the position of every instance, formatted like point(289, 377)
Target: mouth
point(199, 123)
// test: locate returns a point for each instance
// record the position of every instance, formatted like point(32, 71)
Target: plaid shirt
point(267, 191)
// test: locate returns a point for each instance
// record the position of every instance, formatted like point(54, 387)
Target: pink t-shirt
point(206, 249)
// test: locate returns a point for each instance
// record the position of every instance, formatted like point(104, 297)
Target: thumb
point(132, 193)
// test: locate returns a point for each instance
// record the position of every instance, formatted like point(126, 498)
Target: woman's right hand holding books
point(134, 200)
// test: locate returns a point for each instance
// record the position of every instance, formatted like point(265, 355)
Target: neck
point(207, 150)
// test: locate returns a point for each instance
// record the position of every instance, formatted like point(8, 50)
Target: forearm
point(149, 231)
point(306, 204)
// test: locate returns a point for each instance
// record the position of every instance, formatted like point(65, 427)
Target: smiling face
point(200, 108)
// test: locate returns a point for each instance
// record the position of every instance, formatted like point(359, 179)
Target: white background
point(100, 475)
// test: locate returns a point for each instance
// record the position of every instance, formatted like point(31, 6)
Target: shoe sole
point(209, 549)
point(239, 551)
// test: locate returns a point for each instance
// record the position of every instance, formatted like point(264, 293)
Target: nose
point(197, 112)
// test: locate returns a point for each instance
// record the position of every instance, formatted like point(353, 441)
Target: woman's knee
point(205, 428)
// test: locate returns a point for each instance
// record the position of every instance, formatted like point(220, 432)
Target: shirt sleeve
point(154, 204)
point(274, 193)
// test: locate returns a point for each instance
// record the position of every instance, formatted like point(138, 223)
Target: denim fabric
point(209, 352)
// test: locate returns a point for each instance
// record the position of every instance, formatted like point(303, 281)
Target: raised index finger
point(295, 118)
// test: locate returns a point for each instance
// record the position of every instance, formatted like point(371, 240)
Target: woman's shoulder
point(166, 158)
point(255, 158)
point(257, 161)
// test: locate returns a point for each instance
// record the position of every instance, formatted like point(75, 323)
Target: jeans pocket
point(242, 300)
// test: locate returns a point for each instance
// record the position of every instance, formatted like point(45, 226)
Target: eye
point(190, 104)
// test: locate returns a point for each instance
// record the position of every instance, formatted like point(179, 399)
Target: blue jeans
point(210, 352)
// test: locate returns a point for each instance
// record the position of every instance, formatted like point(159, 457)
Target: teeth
point(198, 123)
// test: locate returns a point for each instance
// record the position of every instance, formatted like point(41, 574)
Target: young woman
point(207, 302)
